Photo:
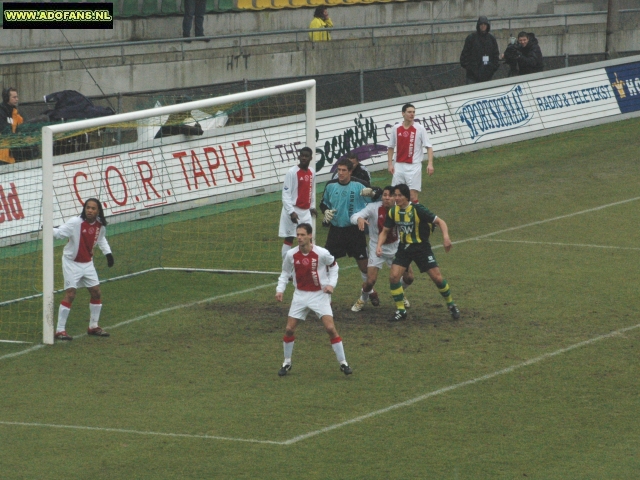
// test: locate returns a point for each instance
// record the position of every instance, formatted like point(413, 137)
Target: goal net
point(192, 186)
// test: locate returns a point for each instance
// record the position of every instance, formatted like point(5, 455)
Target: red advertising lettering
point(75, 185)
point(197, 170)
point(207, 151)
point(180, 156)
point(14, 203)
point(244, 144)
point(146, 181)
point(5, 205)
point(238, 178)
point(111, 168)
point(224, 162)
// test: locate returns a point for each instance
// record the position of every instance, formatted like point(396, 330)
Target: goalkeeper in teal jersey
point(343, 197)
point(415, 224)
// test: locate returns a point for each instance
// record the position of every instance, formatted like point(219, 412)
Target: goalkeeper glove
point(374, 192)
point(328, 215)
point(110, 260)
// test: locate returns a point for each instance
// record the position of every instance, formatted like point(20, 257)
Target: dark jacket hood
point(482, 19)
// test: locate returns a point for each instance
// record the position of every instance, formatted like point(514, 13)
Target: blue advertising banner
point(625, 80)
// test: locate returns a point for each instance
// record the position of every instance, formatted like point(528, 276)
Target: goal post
point(48, 173)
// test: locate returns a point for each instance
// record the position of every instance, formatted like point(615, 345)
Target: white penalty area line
point(152, 314)
point(355, 420)
point(138, 432)
point(585, 245)
point(186, 305)
point(450, 388)
point(540, 222)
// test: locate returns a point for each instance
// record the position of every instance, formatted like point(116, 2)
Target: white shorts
point(305, 302)
point(287, 227)
point(78, 275)
point(378, 262)
point(408, 173)
point(388, 254)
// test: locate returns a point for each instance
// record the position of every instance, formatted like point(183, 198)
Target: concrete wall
point(169, 66)
point(150, 28)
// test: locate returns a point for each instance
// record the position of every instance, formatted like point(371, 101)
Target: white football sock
point(338, 349)
point(63, 314)
point(94, 308)
point(288, 349)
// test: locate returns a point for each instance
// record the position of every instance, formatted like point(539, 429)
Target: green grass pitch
point(538, 379)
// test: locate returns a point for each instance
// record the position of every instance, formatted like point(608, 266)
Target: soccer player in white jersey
point(374, 215)
point(84, 233)
point(408, 141)
point(315, 275)
point(298, 199)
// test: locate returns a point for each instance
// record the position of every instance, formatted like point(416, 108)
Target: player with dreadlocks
point(84, 233)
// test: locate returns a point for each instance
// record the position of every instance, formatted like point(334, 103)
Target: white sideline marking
point(22, 352)
point(361, 418)
point(489, 376)
point(139, 432)
point(187, 305)
point(540, 222)
point(13, 341)
point(558, 243)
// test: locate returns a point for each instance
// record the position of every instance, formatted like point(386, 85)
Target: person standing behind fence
point(524, 56)
point(197, 9)
point(320, 20)
point(480, 55)
point(9, 120)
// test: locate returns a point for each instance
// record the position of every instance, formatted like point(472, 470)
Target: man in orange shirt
point(9, 120)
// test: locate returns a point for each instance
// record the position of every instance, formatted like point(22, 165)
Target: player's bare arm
point(382, 237)
point(294, 217)
point(446, 241)
point(430, 169)
point(361, 223)
point(390, 151)
point(328, 289)
point(313, 212)
point(279, 296)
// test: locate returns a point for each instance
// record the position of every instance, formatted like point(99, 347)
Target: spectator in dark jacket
point(9, 120)
point(525, 56)
point(480, 55)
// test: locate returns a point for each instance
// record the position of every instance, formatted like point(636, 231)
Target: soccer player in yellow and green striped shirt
point(415, 224)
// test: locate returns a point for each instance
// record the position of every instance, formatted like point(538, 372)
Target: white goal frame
point(47, 168)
